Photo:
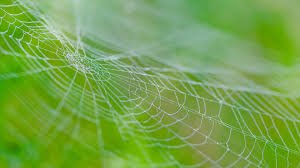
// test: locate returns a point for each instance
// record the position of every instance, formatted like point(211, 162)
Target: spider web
point(160, 113)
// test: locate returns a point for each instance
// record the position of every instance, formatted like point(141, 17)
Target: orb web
point(187, 118)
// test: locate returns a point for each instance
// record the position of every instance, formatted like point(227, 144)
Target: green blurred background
point(99, 83)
